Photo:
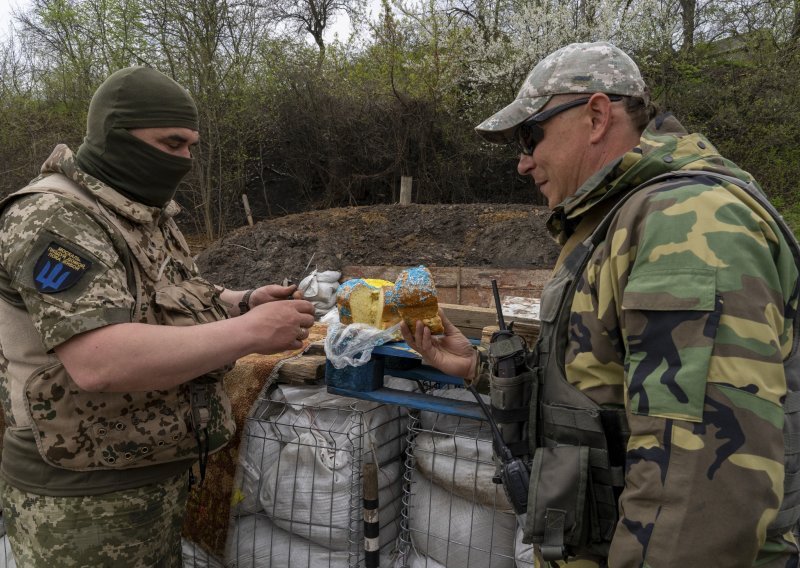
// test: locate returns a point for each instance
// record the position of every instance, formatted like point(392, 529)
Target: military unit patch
point(58, 269)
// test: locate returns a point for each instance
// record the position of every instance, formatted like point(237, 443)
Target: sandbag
point(7, 559)
point(381, 429)
point(319, 288)
point(196, 557)
point(256, 541)
point(455, 424)
point(259, 449)
point(312, 489)
point(416, 560)
point(459, 459)
point(523, 553)
point(294, 410)
point(456, 532)
point(462, 465)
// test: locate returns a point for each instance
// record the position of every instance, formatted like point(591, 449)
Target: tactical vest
point(578, 447)
point(84, 431)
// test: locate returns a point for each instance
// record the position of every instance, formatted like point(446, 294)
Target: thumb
point(449, 328)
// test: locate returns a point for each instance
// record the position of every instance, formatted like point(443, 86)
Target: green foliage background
point(298, 124)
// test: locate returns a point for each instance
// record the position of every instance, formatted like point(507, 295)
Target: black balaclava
point(136, 97)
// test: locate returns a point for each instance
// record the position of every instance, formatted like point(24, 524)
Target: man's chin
point(543, 190)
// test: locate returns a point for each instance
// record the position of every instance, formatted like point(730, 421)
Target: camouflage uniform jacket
point(684, 316)
point(75, 256)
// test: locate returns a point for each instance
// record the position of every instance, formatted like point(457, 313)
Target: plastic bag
point(352, 345)
point(330, 317)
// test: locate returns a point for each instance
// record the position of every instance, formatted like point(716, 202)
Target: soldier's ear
point(599, 109)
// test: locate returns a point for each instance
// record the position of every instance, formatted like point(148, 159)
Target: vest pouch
point(191, 302)
point(510, 400)
point(557, 519)
point(83, 431)
point(552, 295)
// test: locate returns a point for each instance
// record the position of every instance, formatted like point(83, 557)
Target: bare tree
point(209, 46)
point(313, 16)
point(486, 16)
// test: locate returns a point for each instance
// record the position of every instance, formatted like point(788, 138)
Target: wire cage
point(454, 515)
point(298, 493)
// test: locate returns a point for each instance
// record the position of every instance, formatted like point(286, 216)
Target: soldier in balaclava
point(113, 346)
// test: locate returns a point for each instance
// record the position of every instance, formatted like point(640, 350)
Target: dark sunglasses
point(530, 133)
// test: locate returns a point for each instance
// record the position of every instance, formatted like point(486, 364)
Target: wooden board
point(469, 319)
point(305, 370)
point(472, 320)
point(465, 286)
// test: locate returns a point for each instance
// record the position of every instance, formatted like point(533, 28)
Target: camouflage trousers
point(135, 528)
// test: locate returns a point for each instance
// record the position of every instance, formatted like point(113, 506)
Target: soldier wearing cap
point(662, 394)
point(112, 347)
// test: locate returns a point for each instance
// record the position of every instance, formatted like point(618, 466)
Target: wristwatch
point(244, 303)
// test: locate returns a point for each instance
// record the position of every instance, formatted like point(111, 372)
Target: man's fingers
point(304, 306)
point(424, 336)
point(406, 333)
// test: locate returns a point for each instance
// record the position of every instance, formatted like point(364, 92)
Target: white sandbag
point(294, 410)
point(256, 541)
point(523, 553)
point(311, 489)
point(455, 424)
point(196, 557)
point(462, 465)
point(380, 429)
point(456, 532)
point(259, 449)
point(7, 559)
point(416, 560)
point(319, 288)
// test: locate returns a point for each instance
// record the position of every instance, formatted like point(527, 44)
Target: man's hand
point(273, 293)
point(139, 357)
point(452, 353)
point(279, 325)
point(262, 295)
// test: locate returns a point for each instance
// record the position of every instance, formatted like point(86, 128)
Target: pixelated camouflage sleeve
point(64, 267)
point(695, 294)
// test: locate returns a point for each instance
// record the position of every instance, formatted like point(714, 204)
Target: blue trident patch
point(58, 269)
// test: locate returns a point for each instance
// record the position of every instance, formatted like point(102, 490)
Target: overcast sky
point(340, 25)
point(5, 13)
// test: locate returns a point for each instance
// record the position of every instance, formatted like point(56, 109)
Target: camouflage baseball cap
point(576, 68)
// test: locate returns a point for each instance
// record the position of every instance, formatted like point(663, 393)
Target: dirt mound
point(474, 235)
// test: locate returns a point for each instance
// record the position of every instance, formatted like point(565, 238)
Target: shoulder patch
point(58, 268)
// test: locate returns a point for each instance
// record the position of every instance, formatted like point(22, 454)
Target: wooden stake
point(247, 209)
point(372, 547)
point(405, 190)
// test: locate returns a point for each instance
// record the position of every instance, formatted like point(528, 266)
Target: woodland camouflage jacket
point(684, 315)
